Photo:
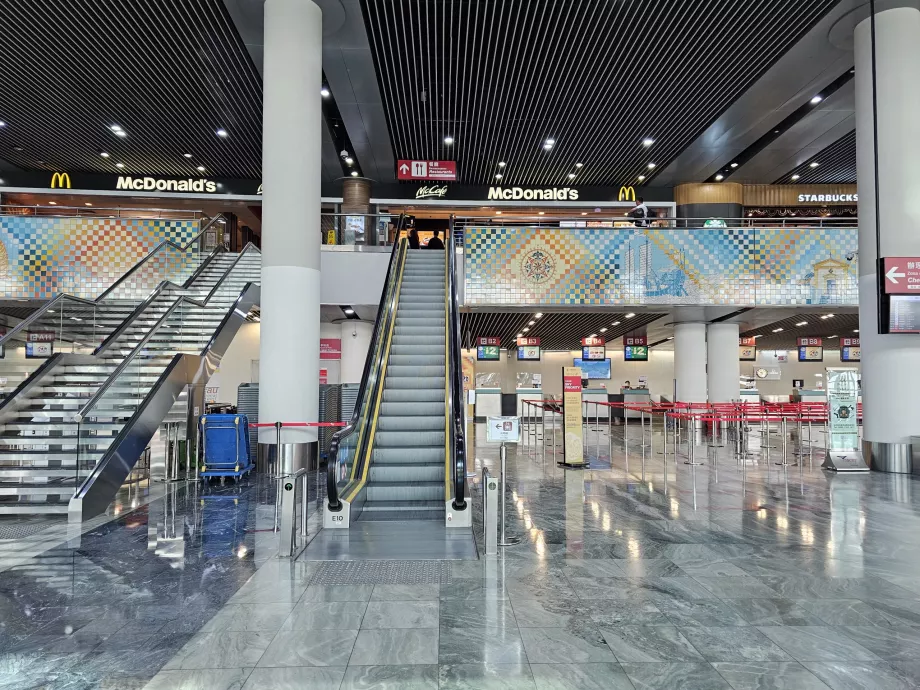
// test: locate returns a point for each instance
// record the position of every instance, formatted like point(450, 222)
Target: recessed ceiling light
point(121, 133)
point(115, 128)
point(2, 123)
point(593, 335)
point(18, 148)
point(354, 173)
point(828, 316)
point(498, 176)
point(324, 92)
point(551, 142)
point(519, 335)
point(525, 329)
point(641, 178)
point(734, 165)
point(814, 164)
point(815, 100)
point(579, 165)
point(200, 168)
point(648, 141)
point(547, 147)
point(531, 323)
point(832, 336)
point(103, 154)
point(498, 213)
point(670, 337)
point(222, 133)
point(571, 176)
point(52, 203)
point(604, 330)
point(629, 315)
point(856, 330)
point(795, 177)
point(349, 160)
point(777, 330)
point(538, 315)
point(584, 213)
point(757, 336)
point(802, 323)
point(348, 310)
point(119, 165)
point(541, 213)
point(651, 166)
point(187, 155)
point(720, 177)
point(448, 140)
point(87, 203)
point(615, 323)
point(502, 164)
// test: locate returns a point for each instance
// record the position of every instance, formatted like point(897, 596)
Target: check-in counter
point(635, 396)
point(488, 403)
point(809, 395)
point(750, 395)
point(591, 396)
point(528, 394)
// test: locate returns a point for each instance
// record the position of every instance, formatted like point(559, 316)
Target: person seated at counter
point(626, 386)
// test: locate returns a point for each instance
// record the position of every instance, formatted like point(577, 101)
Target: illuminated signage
point(828, 198)
point(489, 341)
point(525, 342)
point(592, 342)
point(518, 193)
point(627, 194)
point(60, 180)
point(433, 191)
point(635, 348)
point(850, 350)
point(151, 184)
point(810, 349)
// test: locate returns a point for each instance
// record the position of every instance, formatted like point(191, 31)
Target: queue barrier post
point(504, 541)
point(490, 512)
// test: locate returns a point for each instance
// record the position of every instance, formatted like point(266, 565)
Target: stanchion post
point(502, 453)
point(489, 512)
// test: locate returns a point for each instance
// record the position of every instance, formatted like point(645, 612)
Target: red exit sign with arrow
point(902, 275)
point(446, 171)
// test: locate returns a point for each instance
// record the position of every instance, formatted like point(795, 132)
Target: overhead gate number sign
point(902, 275)
point(427, 170)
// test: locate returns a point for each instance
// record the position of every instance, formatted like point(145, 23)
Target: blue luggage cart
point(224, 445)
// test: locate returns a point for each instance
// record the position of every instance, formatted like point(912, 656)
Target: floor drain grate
point(382, 573)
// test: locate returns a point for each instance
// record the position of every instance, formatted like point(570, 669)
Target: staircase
point(406, 477)
point(39, 440)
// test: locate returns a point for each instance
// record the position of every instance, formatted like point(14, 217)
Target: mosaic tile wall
point(83, 256)
point(623, 266)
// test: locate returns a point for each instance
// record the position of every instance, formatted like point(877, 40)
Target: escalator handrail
point(455, 373)
point(332, 489)
point(26, 323)
point(110, 380)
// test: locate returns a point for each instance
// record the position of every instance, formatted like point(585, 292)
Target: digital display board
point(39, 350)
point(904, 314)
point(849, 350)
point(488, 353)
point(635, 353)
point(810, 349)
point(593, 370)
point(528, 353)
point(594, 353)
point(747, 349)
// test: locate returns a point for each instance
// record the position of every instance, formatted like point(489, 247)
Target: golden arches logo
point(627, 194)
point(61, 180)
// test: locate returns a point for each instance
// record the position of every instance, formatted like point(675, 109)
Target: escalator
point(402, 456)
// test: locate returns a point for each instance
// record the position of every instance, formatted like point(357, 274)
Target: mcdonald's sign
point(61, 180)
point(627, 194)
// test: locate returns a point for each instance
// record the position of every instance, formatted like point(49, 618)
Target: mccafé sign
point(150, 184)
point(828, 198)
point(518, 193)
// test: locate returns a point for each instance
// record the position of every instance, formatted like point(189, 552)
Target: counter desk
point(635, 396)
point(488, 403)
point(591, 396)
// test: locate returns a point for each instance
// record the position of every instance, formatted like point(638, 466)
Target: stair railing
point(456, 434)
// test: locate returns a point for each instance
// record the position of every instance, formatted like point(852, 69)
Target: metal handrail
point(61, 297)
point(332, 490)
point(94, 399)
point(102, 210)
point(455, 411)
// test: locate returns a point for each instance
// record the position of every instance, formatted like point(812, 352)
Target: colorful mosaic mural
point(43, 256)
point(622, 266)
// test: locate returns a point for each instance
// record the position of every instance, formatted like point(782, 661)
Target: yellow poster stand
point(573, 453)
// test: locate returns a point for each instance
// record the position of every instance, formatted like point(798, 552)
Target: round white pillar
point(723, 369)
point(356, 340)
point(690, 361)
point(890, 363)
point(291, 163)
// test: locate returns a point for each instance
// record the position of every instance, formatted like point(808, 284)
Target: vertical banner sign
point(747, 349)
point(843, 452)
point(573, 454)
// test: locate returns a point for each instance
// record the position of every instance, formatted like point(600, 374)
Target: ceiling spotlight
point(498, 213)
point(795, 177)
point(541, 213)
point(501, 164)
point(187, 155)
point(519, 335)
point(629, 315)
point(119, 165)
point(525, 329)
point(734, 165)
point(802, 323)
point(448, 140)
point(121, 133)
point(593, 335)
point(856, 330)
point(648, 142)
point(324, 92)
point(641, 178)
point(87, 203)
point(547, 147)
point(531, 323)
point(579, 165)
point(604, 330)
point(551, 142)
point(52, 203)
point(615, 323)
point(651, 166)
point(584, 213)
point(538, 316)
point(349, 160)
point(103, 154)
point(815, 100)
point(498, 176)
point(115, 128)
point(348, 310)
point(814, 164)
point(571, 176)
point(222, 133)
point(828, 316)
point(200, 168)
point(354, 173)
point(2, 123)
point(18, 148)
point(777, 330)
point(832, 336)
point(720, 177)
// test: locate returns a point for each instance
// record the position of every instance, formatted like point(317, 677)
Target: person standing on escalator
point(413, 239)
point(435, 242)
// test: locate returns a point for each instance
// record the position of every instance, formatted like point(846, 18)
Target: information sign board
point(488, 353)
point(426, 170)
point(810, 349)
point(843, 452)
point(573, 452)
point(902, 275)
point(503, 429)
point(594, 353)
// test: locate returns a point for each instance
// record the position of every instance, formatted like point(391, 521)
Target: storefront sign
point(849, 350)
point(330, 348)
point(828, 198)
point(627, 194)
point(810, 349)
point(843, 453)
point(902, 275)
point(572, 441)
point(519, 193)
point(503, 429)
point(431, 192)
point(150, 184)
point(426, 170)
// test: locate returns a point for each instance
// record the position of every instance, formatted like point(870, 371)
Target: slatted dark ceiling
point(836, 165)
point(842, 325)
point(557, 331)
point(169, 72)
point(597, 76)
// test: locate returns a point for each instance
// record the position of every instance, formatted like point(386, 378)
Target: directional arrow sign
point(902, 275)
point(445, 171)
point(404, 169)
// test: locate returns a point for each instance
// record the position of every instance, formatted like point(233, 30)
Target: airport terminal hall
point(459, 345)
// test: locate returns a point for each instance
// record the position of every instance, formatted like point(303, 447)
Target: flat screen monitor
point(635, 353)
point(811, 353)
point(849, 353)
point(593, 370)
point(904, 314)
point(529, 353)
point(487, 353)
point(39, 350)
point(594, 353)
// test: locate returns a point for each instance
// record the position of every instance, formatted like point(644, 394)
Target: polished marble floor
point(641, 572)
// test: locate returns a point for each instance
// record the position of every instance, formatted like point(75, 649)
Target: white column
point(890, 363)
point(291, 136)
point(356, 339)
point(690, 361)
point(723, 368)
